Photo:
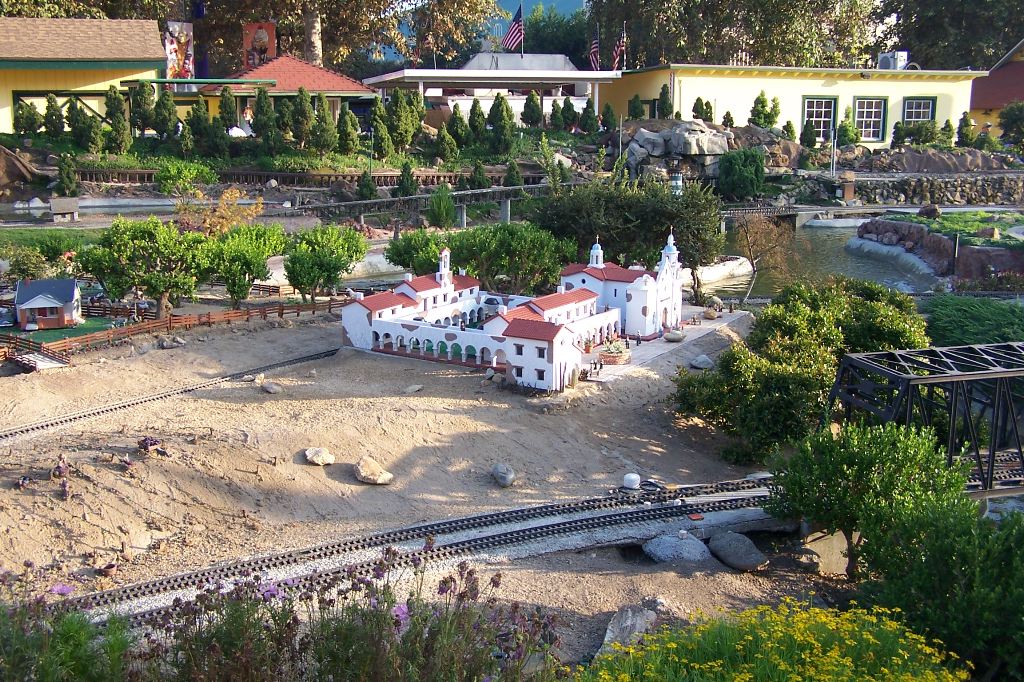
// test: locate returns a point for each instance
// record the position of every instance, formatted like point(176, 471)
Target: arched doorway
point(485, 356)
point(456, 352)
point(442, 349)
point(376, 340)
point(470, 354)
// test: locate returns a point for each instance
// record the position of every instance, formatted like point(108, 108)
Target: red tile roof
point(610, 272)
point(429, 282)
point(552, 301)
point(463, 282)
point(386, 299)
point(532, 329)
point(999, 87)
point(291, 73)
point(521, 313)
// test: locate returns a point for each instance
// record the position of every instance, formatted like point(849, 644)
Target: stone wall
point(958, 189)
point(937, 250)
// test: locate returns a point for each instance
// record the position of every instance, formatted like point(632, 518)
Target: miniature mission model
point(537, 342)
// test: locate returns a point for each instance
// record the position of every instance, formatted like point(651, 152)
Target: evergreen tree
point(899, 134)
point(76, 122)
point(513, 176)
point(709, 112)
point(264, 119)
point(228, 111)
point(27, 119)
point(348, 131)
point(186, 143)
point(383, 147)
point(400, 120)
point(407, 185)
point(417, 108)
point(457, 127)
point(809, 135)
point(93, 136)
point(760, 114)
point(532, 115)
point(53, 119)
point(502, 122)
point(790, 131)
point(569, 115)
point(965, 132)
point(564, 174)
point(218, 142)
point(120, 138)
point(324, 136)
point(946, 134)
point(302, 118)
point(284, 111)
point(67, 180)
point(636, 109)
point(367, 188)
point(698, 108)
point(478, 178)
point(727, 120)
point(142, 109)
point(608, 119)
point(664, 103)
point(477, 121)
point(847, 133)
point(165, 116)
point(588, 119)
point(556, 121)
point(198, 120)
point(447, 149)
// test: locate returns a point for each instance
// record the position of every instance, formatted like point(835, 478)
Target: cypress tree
point(383, 147)
point(709, 112)
point(946, 134)
point(67, 180)
point(588, 119)
point(284, 111)
point(446, 148)
point(348, 131)
point(27, 119)
point(965, 133)
point(400, 120)
point(264, 119)
point(143, 112)
point(790, 131)
point(502, 122)
point(302, 118)
point(727, 120)
point(218, 142)
point(199, 120)
point(53, 119)
point(809, 135)
point(457, 127)
point(367, 189)
point(477, 121)
point(698, 108)
point(407, 185)
point(532, 115)
point(513, 176)
point(478, 178)
point(636, 109)
point(556, 121)
point(664, 103)
point(228, 111)
point(608, 119)
point(417, 107)
point(120, 139)
point(93, 135)
point(569, 116)
point(186, 142)
point(76, 122)
point(165, 116)
point(324, 136)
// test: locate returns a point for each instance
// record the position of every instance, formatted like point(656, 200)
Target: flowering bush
point(791, 642)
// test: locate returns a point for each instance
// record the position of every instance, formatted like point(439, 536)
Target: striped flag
point(619, 53)
point(595, 53)
point(514, 37)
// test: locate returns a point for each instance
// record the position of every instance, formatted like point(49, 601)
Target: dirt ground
point(235, 483)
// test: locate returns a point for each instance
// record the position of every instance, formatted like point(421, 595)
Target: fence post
point(280, 310)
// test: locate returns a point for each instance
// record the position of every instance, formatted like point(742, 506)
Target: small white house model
point(537, 342)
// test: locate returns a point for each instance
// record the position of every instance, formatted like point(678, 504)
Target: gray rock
point(652, 143)
point(998, 509)
point(52, 159)
point(271, 183)
point(271, 387)
point(737, 551)
point(19, 205)
point(678, 547)
point(36, 202)
point(702, 362)
point(415, 388)
point(626, 627)
point(489, 373)
point(715, 301)
point(319, 456)
point(635, 154)
point(249, 377)
point(178, 340)
point(369, 470)
point(503, 475)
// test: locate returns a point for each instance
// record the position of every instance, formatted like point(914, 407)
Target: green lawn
point(967, 223)
point(91, 324)
point(32, 236)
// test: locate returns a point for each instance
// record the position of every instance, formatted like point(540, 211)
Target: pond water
point(820, 248)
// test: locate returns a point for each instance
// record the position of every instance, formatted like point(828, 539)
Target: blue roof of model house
point(60, 290)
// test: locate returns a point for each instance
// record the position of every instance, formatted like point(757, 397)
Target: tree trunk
point(314, 44)
point(750, 288)
point(698, 295)
point(163, 306)
point(852, 572)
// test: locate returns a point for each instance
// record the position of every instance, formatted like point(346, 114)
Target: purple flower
point(378, 572)
point(401, 613)
point(373, 602)
point(445, 586)
point(62, 589)
point(269, 591)
point(496, 580)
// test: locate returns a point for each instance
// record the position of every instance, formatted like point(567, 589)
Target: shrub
point(142, 108)
point(809, 135)
point(446, 147)
point(532, 114)
point(698, 108)
point(987, 142)
point(366, 189)
point(790, 130)
point(67, 180)
point(665, 108)
point(53, 246)
point(741, 173)
point(27, 119)
point(53, 120)
point(502, 122)
point(407, 185)
point(264, 119)
point(763, 116)
point(228, 112)
point(923, 132)
point(218, 142)
point(962, 320)
point(478, 177)
point(946, 134)
point(569, 115)
point(513, 176)
point(636, 109)
point(791, 641)
point(303, 117)
point(727, 120)
point(847, 133)
point(93, 139)
point(441, 209)
point(588, 119)
point(608, 119)
point(181, 177)
point(400, 121)
point(186, 143)
point(1011, 120)
point(965, 133)
point(198, 119)
point(899, 134)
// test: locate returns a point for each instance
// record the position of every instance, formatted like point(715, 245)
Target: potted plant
point(614, 353)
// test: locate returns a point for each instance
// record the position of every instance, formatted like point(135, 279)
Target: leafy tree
point(317, 258)
point(53, 120)
point(727, 120)
point(768, 244)
point(741, 173)
point(809, 135)
point(478, 177)
point(588, 119)
point(569, 115)
point(366, 189)
point(120, 138)
point(790, 130)
point(284, 110)
point(142, 108)
point(417, 250)
point(302, 117)
point(1011, 120)
point(446, 148)
point(458, 128)
point(847, 133)
point(608, 119)
point(324, 136)
point(407, 185)
point(228, 111)
point(763, 116)
point(23, 262)
point(946, 134)
point(555, 120)
point(165, 116)
point(54, 246)
point(198, 120)
point(837, 481)
point(348, 131)
point(548, 31)
point(636, 109)
point(186, 143)
point(502, 122)
point(965, 133)
point(67, 181)
point(477, 121)
point(665, 108)
point(532, 114)
point(400, 120)
point(152, 255)
point(513, 176)
point(27, 119)
point(241, 257)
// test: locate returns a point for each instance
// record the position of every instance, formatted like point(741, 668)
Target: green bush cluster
point(763, 115)
point(963, 320)
point(180, 177)
point(441, 209)
point(741, 173)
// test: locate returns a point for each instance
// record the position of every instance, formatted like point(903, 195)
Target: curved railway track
point(103, 410)
point(651, 506)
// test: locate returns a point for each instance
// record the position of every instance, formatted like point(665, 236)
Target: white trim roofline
point(44, 300)
point(1009, 55)
point(491, 77)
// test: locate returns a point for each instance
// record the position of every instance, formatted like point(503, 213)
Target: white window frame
point(817, 119)
point(915, 116)
point(872, 113)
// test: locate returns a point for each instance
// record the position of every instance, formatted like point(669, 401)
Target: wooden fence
point(107, 310)
point(13, 346)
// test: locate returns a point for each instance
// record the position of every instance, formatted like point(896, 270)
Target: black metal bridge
point(972, 395)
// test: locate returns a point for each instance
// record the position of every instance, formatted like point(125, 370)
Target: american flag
point(619, 53)
point(514, 37)
point(595, 53)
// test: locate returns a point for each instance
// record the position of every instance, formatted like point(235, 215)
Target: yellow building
point(73, 57)
point(1003, 84)
point(878, 98)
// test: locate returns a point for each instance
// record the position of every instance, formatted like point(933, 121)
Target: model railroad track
point(196, 580)
point(103, 410)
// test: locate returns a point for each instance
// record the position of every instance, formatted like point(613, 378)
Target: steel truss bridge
point(971, 395)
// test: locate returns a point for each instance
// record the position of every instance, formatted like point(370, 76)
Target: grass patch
point(961, 321)
point(966, 224)
point(91, 325)
point(33, 236)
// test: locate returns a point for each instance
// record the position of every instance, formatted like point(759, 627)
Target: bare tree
point(768, 245)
